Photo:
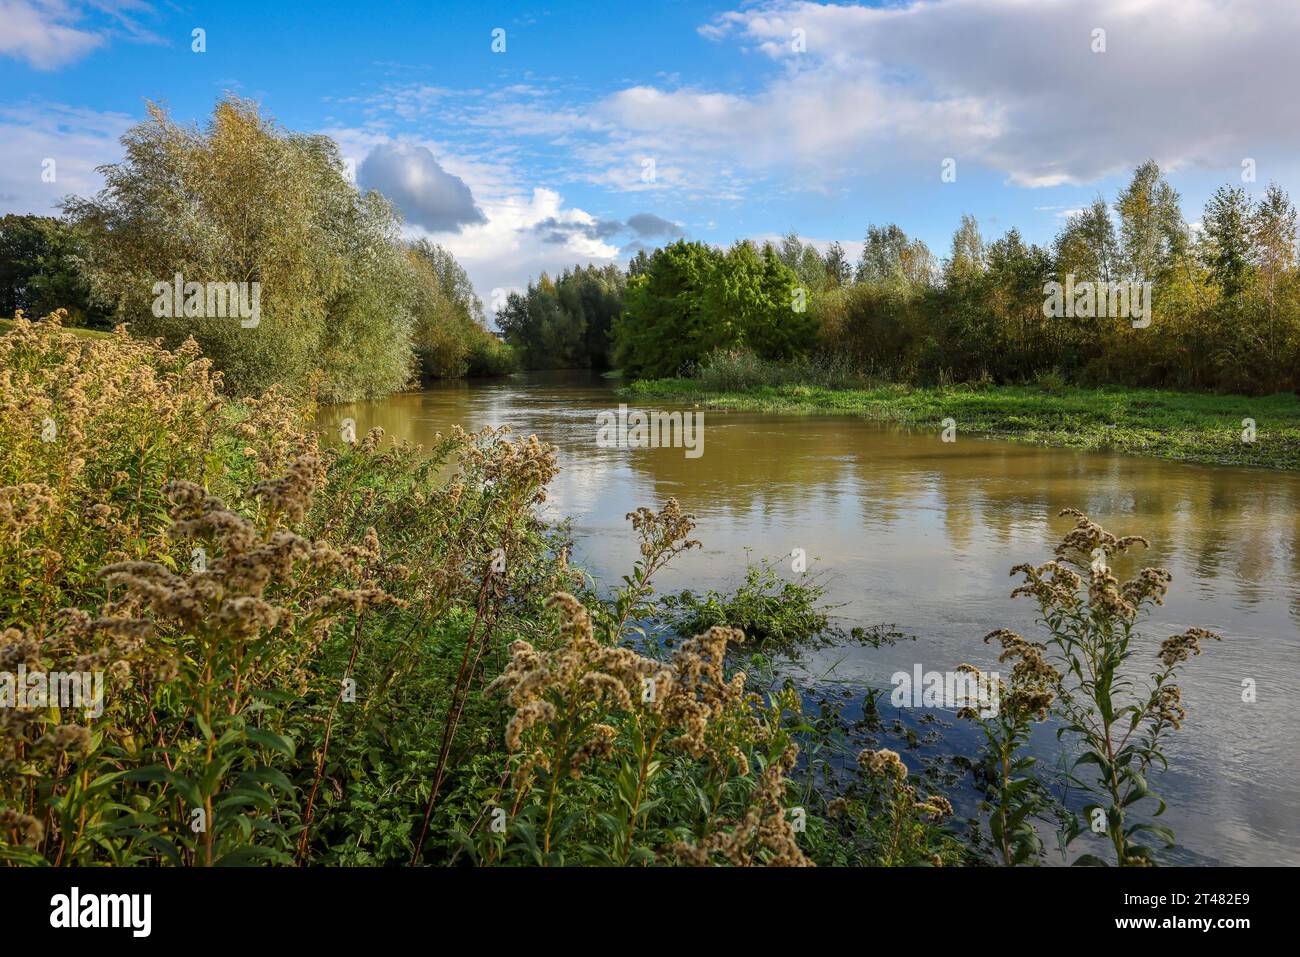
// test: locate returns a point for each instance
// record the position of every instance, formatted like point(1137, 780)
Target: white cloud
point(509, 249)
point(1012, 85)
point(50, 34)
point(78, 140)
point(41, 32)
point(526, 230)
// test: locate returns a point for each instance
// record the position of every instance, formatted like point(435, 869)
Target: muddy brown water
point(906, 529)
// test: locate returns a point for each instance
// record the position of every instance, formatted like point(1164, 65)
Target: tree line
point(353, 308)
point(346, 304)
point(669, 309)
point(1224, 306)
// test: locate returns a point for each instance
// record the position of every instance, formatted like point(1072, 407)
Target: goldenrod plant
point(350, 651)
point(1114, 692)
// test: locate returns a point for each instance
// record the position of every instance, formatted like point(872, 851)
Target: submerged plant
point(768, 609)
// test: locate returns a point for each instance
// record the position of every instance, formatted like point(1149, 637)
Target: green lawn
point(8, 324)
point(1191, 427)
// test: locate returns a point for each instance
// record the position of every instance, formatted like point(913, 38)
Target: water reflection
point(911, 530)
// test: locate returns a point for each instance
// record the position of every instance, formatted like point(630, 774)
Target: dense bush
point(692, 299)
point(738, 369)
point(226, 575)
point(41, 269)
point(295, 638)
point(565, 323)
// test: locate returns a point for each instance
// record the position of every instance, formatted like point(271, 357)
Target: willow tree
point(448, 315)
point(242, 200)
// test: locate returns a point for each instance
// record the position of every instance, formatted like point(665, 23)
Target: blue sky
point(757, 118)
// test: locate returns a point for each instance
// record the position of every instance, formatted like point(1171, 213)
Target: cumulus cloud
point(523, 231)
point(427, 194)
point(523, 236)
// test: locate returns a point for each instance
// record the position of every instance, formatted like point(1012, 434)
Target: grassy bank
point(1184, 426)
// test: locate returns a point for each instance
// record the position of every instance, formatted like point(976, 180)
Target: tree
point(1272, 230)
point(804, 261)
point(1027, 341)
point(1228, 247)
point(565, 323)
point(664, 325)
point(694, 300)
point(1086, 247)
point(751, 302)
point(890, 257)
point(1152, 233)
point(967, 258)
point(243, 201)
point(639, 264)
point(596, 293)
point(447, 315)
point(41, 270)
point(838, 270)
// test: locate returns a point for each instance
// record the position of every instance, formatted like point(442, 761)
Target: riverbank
point(1182, 426)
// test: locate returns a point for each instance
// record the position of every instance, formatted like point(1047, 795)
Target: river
point(910, 530)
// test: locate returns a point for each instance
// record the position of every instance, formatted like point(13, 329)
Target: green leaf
point(242, 856)
point(269, 739)
point(1159, 830)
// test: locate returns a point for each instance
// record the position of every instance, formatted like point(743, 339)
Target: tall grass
point(738, 370)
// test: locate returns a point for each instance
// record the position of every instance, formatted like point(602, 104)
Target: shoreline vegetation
point(1159, 423)
point(355, 656)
